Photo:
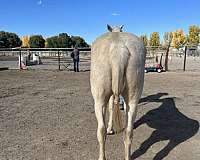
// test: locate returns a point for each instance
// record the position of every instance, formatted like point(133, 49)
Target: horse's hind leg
point(110, 124)
point(130, 116)
point(100, 105)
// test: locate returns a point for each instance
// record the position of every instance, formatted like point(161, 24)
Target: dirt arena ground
point(49, 115)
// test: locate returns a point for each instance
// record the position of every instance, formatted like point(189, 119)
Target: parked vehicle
point(153, 68)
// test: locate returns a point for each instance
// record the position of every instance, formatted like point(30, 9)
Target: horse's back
point(114, 51)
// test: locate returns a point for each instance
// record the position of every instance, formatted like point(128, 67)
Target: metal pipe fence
point(48, 58)
point(59, 58)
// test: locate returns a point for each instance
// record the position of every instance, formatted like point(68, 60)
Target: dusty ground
point(49, 115)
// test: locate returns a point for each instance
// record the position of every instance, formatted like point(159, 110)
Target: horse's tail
point(119, 65)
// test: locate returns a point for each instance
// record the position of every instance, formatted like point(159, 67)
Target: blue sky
point(88, 18)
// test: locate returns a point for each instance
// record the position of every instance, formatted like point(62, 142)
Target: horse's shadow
point(169, 124)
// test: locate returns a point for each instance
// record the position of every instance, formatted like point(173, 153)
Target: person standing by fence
point(75, 56)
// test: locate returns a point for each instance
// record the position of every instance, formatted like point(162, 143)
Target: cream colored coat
point(117, 67)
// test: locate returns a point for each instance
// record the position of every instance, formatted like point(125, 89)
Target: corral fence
point(42, 58)
point(186, 58)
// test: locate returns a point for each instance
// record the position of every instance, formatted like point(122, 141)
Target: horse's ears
point(109, 28)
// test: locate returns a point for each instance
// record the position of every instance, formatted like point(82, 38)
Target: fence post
point(20, 59)
point(161, 59)
point(58, 60)
point(185, 58)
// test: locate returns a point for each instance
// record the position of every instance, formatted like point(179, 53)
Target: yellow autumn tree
point(178, 39)
point(25, 41)
point(154, 39)
point(194, 35)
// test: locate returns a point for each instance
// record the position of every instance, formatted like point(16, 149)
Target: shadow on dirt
point(169, 124)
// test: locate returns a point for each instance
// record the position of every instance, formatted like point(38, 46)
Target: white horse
point(117, 68)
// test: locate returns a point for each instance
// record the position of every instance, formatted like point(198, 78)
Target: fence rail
point(46, 52)
point(55, 58)
point(51, 58)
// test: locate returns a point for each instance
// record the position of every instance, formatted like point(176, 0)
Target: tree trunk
point(166, 58)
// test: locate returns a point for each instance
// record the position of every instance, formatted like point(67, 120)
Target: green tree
point(9, 40)
point(64, 41)
point(78, 41)
point(144, 39)
point(36, 41)
point(154, 39)
point(60, 41)
point(52, 42)
point(194, 35)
